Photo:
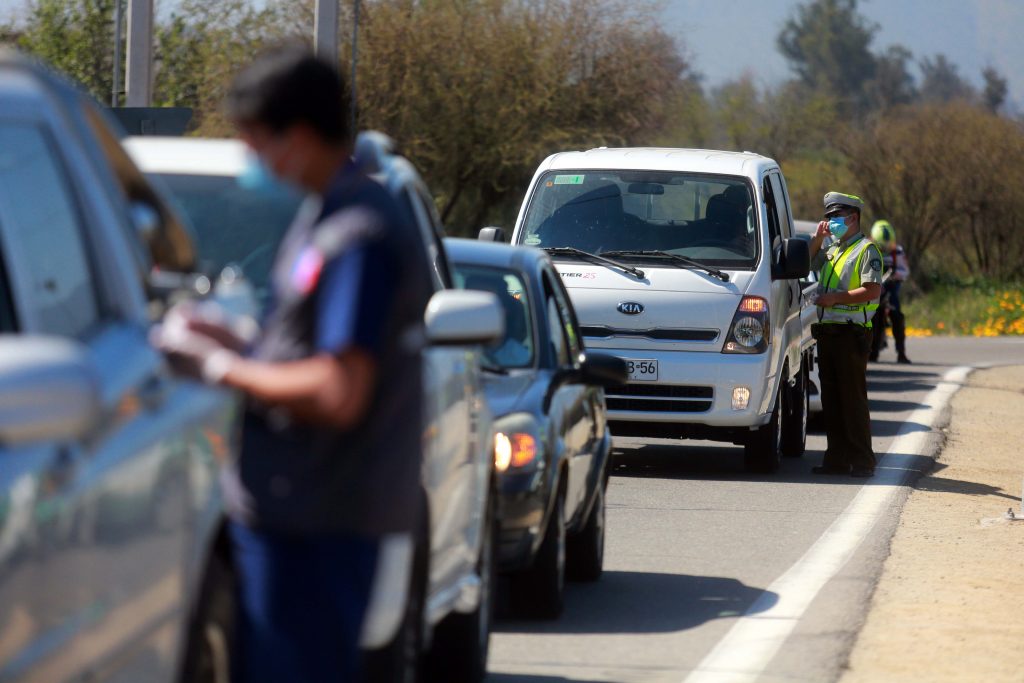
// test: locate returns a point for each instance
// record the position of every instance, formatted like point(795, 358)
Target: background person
point(849, 287)
point(331, 447)
point(896, 270)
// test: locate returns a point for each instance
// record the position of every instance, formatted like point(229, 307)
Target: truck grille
point(657, 333)
point(663, 398)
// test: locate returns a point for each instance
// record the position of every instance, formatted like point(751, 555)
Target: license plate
point(642, 370)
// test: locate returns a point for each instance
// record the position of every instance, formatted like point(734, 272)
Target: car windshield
point(234, 224)
point(709, 219)
point(516, 349)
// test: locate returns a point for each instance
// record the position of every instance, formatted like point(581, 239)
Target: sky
point(726, 38)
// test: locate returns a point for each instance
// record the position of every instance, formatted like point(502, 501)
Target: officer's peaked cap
point(838, 200)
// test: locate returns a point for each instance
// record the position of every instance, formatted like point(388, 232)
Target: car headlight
point(516, 443)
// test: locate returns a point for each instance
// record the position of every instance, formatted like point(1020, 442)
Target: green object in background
point(569, 179)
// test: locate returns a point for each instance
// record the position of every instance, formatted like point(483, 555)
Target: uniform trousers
point(842, 369)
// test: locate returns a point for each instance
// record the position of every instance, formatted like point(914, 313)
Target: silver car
point(108, 498)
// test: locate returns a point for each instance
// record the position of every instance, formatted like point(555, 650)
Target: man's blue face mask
point(256, 177)
point(837, 226)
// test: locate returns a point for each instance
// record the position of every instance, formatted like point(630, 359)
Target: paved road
point(694, 542)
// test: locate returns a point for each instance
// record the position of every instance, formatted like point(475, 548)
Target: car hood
point(510, 393)
point(679, 308)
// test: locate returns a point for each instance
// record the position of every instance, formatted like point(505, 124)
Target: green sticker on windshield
point(532, 240)
point(569, 179)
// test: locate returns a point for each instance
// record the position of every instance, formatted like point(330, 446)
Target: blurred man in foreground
point(330, 457)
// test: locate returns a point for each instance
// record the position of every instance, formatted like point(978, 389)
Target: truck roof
point(661, 159)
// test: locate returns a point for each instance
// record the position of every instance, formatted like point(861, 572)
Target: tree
point(940, 82)
point(827, 43)
point(76, 37)
point(478, 92)
point(950, 177)
point(892, 84)
point(994, 94)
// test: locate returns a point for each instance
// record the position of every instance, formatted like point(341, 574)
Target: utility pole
point(325, 30)
point(115, 90)
point(139, 91)
point(355, 61)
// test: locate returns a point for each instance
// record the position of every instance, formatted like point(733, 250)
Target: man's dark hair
point(288, 85)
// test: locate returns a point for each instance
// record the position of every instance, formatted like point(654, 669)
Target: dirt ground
point(950, 603)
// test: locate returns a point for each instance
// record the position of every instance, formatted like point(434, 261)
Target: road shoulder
point(949, 602)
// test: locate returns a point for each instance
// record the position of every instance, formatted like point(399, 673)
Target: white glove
point(192, 353)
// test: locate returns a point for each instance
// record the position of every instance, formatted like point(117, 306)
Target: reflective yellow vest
point(842, 274)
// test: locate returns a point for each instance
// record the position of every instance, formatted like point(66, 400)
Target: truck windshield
point(709, 219)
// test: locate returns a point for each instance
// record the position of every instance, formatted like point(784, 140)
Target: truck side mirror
point(794, 260)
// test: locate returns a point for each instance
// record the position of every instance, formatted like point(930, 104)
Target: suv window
point(703, 217)
point(560, 343)
point(516, 349)
point(45, 250)
point(426, 220)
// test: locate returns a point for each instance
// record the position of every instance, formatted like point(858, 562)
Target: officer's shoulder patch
point(876, 264)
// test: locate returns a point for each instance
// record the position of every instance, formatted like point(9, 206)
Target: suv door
point(793, 331)
point(451, 467)
point(94, 560)
point(782, 295)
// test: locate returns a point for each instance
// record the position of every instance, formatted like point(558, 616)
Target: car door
point(794, 300)
point(571, 410)
point(97, 532)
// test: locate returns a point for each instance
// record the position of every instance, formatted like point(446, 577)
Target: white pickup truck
point(683, 263)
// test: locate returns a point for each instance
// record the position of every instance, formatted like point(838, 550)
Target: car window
point(556, 329)
point(568, 319)
point(516, 349)
point(235, 224)
point(8, 320)
point(45, 249)
point(704, 217)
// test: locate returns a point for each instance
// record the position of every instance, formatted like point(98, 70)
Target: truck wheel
point(459, 649)
point(762, 452)
point(400, 661)
point(539, 592)
point(585, 550)
point(794, 422)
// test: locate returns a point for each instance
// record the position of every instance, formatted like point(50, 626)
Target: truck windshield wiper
point(594, 258)
point(682, 260)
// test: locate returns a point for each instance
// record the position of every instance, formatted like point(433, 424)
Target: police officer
point(896, 270)
point(849, 287)
point(330, 456)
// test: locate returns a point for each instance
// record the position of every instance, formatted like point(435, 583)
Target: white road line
point(746, 650)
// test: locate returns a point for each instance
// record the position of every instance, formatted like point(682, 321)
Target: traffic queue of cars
point(113, 558)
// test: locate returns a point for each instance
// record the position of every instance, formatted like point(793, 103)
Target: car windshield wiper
point(579, 253)
point(682, 260)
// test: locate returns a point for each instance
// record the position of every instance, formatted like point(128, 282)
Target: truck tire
point(458, 653)
point(539, 592)
point(794, 419)
point(762, 453)
point(401, 660)
point(585, 549)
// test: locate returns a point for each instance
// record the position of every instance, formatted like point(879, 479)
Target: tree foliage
point(479, 92)
point(76, 37)
point(827, 43)
point(950, 177)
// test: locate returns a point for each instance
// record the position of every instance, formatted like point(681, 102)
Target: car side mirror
point(794, 260)
point(600, 369)
point(464, 317)
point(492, 234)
point(595, 369)
point(49, 390)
